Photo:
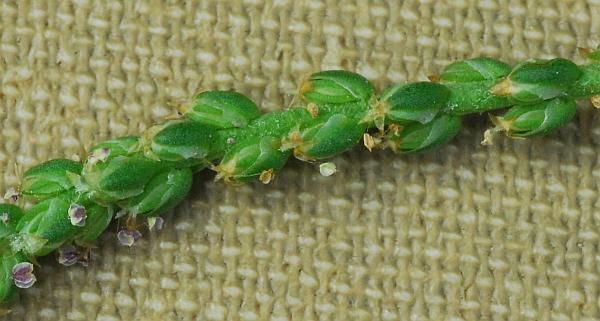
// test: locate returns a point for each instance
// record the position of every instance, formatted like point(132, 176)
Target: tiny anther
point(300, 154)
point(394, 129)
point(489, 135)
point(501, 124)
point(177, 115)
point(294, 140)
point(584, 52)
point(595, 101)
point(131, 222)
point(434, 78)
point(4, 218)
point(12, 195)
point(313, 109)
point(120, 213)
point(305, 87)
point(370, 141)
point(267, 176)
point(503, 88)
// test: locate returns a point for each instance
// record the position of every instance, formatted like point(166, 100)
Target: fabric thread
point(467, 232)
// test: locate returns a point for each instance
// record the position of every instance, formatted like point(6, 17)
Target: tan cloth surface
point(508, 232)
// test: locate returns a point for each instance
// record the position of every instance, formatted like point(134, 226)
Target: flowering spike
point(144, 177)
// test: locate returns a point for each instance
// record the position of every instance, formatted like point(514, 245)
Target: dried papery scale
point(137, 178)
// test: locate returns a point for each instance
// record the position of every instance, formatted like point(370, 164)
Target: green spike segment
point(137, 178)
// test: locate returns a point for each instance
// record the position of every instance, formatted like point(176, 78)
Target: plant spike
point(145, 176)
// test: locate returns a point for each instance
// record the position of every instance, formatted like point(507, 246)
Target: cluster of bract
point(136, 178)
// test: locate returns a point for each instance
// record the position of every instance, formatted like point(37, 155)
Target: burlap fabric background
point(508, 232)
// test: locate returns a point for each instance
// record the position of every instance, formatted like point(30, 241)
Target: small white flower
point(327, 169)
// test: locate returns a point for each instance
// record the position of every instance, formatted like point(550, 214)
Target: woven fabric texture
point(467, 232)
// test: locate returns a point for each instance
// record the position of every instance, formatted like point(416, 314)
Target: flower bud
point(251, 159)
point(9, 218)
point(221, 109)
point(535, 81)
point(475, 69)
point(120, 177)
point(415, 137)
point(49, 179)
point(45, 226)
point(420, 101)
point(181, 140)
point(336, 87)
point(537, 119)
point(161, 193)
point(328, 137)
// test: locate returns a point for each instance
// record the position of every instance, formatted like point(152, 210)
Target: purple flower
point(22, 274)
point(68, 255)
point(128, 237)
point(77, 215)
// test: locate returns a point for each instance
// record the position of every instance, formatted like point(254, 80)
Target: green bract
point(420, 101)
point(45, 226)
point(475, 69)
point(336, 87)
point(534, 81)
point(97, 220)
point(222, 109)
point(330, 136)
point(161, 193)
point(182, 140)
point(473, 97)
point(250, 159)
point(538, 119)
point(121, 177)
point(121, 146)
point(415, 137)
point(50, 178)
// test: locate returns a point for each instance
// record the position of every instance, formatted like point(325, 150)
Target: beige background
point(468, 232)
